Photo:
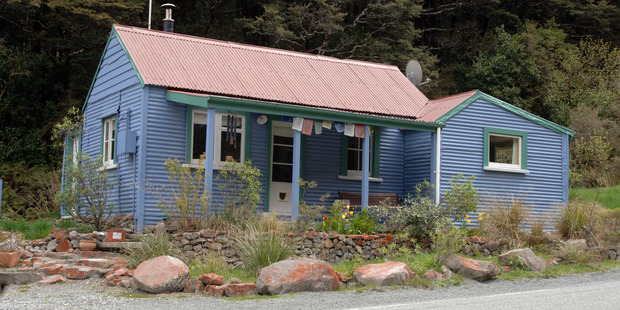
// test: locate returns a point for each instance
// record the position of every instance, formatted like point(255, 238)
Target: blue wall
point(462, 153)
point(116, 88)
point(418, 159)
point(323, 160)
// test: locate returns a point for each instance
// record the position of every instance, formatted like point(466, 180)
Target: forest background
point(559, 59)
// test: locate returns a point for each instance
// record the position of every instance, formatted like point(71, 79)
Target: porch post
point(296, 169)
point(210, 138)
point(365, 166)
point(437, 165)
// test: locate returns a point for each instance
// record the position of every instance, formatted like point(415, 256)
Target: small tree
point(87, 190)
point(185, 199)
point(240, 188)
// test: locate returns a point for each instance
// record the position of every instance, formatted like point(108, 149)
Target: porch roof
point(236, 70)
point(204, 100)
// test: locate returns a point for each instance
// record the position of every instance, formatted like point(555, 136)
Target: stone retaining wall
point(319, 245)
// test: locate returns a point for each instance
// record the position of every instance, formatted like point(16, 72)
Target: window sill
point(215, 166)
point(506, 169)
point(358, 178)
point(107, 167)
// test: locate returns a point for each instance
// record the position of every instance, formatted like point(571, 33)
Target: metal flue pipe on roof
point(168, 21)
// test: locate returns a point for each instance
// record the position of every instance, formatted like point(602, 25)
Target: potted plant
point(10, 242)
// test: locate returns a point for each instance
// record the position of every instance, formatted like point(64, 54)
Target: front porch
point(367, 158)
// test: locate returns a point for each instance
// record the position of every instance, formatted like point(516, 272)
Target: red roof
point(237, 70)
point(438, 107)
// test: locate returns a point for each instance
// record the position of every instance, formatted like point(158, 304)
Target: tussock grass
point(154, 245)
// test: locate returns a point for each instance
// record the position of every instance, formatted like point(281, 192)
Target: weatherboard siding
point(462, 153)
point(417, 159)
point(115, 91)
point(323, 160)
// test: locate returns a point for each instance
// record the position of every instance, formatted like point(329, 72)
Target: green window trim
point(102, 128)
point(189, 128)
point(375, 163)
point(507, 132)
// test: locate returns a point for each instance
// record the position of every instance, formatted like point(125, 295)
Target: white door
point(281, 168)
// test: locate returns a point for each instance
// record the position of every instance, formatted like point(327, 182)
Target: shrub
point(308, 214)
point(589, 221)
point(88, 190)
point(29, 192)
point(361, 224)
point(568, 254)
point(211, 262)
point(506, 218)
point(11, 241)
point(185, 200)
point(154, 245)
point(447, 239)
point(422, 213)
point(240, 188)
point(260, 249)
point(388, 218)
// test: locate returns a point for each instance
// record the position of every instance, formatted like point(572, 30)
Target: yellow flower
point(351, 212)
point(323, 223)
point(466, 216)
point(487, 215)
point(347, 220)
point(479, 214)
point(480, 218)
point(468, 221)
point(348, 207)
point(343, 216)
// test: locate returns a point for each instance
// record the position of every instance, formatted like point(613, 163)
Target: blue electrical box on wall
point(126, 142)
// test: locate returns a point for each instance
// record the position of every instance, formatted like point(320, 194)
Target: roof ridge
point(266, 49)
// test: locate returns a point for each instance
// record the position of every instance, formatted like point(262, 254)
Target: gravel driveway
point(94, 294)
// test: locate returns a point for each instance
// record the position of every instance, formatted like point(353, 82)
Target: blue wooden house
point(352, 126)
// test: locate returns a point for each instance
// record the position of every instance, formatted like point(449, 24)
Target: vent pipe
point(168, 21)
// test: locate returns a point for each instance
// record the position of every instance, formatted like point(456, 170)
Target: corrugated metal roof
point(231, 69)
point(438, 107)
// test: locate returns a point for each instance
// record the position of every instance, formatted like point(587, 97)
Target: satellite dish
point(414, 72)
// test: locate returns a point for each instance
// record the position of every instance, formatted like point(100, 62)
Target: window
point(229, 137)
point(352, 151)
point(109, 136)
point(355, 150)
point(505, 150)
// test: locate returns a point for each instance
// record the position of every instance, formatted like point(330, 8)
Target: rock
point(342, 277)
point(523, 256)
point(580, 244)
point(63, 246)
point(472, 269)
point(447, 273)
point(297, 275)
point(211, 279)
point(163, 274)
point(236, 290)
point(388, 273)
point(214, 290)
point(433, 274)
point(95, 262)
point(78, 272)
point(194, 286)
point(52, 244)
point(52, 279)
point(20, 278)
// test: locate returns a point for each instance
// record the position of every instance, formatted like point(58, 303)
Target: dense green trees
point(549, 57)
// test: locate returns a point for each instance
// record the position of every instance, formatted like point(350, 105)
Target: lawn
point(609, 197)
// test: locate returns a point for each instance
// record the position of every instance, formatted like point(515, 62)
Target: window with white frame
point(229, 144)
point(109, 136)
point(355, 150)
point(505, 150)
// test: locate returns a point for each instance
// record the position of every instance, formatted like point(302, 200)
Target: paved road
point(598, 290)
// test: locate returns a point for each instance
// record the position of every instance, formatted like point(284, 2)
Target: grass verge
point(609, 197)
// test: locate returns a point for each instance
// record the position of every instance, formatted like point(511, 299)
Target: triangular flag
point(307, 127)
point(318, 127)
point(349, 129)
point(360, 131)
point(339, 127)
point(298, 123)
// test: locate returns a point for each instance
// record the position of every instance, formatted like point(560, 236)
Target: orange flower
point(351, 212)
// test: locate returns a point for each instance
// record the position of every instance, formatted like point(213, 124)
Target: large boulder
point(163, 274)
point(388, 273)
point(472, 269)
point(297, 275)
point(525, 257)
